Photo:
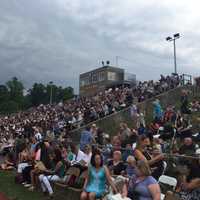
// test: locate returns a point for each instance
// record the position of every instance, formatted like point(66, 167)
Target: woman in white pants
point(45, 182)
point(57, 174)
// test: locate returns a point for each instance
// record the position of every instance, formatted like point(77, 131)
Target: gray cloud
point(56, 40)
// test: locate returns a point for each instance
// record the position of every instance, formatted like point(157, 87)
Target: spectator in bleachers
point(157, 112)
point(143, 186)
point(131, 164)
point(188, 147)
point(184, 103)
point(133, 136)
point(124, 133)
point(95, 183)
point(127, 152)
point(9, 162)
point(86, 138)
point(158, 167)
point(93, 130)
point(142, 152)
point(100, 136)
point(116, 165)
point(56, 173)
point(189, 186)
point(116, 142)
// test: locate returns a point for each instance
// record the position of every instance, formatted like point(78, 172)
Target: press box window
point(112, 76)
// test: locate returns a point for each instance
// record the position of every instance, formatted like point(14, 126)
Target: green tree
point(38, 94)
point(68, 93)
point(4, 94)
point(59, 93)
point(15, 88)
point(8, 107)
point(12, 98)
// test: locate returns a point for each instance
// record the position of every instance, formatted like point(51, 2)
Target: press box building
point(103, 78)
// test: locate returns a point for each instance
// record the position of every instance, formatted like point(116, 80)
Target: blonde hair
point(130, 159)
point(118, 153)
point(144, 168)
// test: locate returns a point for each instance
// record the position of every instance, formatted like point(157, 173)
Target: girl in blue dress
point(97, 177)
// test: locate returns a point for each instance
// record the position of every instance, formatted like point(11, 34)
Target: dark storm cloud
point(57, 40)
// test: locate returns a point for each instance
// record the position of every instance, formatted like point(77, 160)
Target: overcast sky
point(56, 40)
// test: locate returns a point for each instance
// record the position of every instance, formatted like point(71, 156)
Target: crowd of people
point(34, 143)
point(65, 116)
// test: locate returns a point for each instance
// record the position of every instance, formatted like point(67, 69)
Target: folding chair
point(167, 180)
point(164, 167)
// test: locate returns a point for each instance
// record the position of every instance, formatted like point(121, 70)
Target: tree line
point(13, 97)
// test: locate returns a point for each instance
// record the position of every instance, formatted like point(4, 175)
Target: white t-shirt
point(38, 136)
point(87, 158)
point(82, 156)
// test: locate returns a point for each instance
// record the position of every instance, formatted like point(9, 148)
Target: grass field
point(15, 191)
point(18, 192)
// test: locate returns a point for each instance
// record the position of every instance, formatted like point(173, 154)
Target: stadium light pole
point(173, 39)
point(117, 58)
point(51, 92)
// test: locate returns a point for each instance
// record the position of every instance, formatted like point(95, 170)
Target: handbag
point(40, 166)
